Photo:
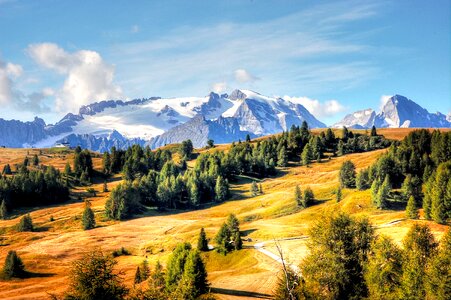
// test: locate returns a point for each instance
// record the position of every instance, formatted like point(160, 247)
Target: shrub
point(14, 266)
point(25, 224)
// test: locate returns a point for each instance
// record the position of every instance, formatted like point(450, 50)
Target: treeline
point(153, 179)
point(361, 265)
point(32, 187)
point(421, 162)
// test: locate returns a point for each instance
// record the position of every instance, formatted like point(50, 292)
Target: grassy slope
point(247, 273)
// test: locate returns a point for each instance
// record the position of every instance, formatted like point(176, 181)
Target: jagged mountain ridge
point(397, 112)
point(157, 121)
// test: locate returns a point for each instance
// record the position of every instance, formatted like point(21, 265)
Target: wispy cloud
point(309, 49)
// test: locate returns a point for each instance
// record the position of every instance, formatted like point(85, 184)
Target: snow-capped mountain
point(158, 121)
point(397, 112)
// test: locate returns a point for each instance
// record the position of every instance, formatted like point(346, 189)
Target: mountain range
point(223, 118)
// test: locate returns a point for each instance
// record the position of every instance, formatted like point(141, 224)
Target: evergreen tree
point(419, 245)
point(210, 144)
point(176, 265)
point(202, 242)
point(254, 189)
point(187, 149)
point(25, 224)
point(344, 133)
point(384, 270)
point(107, 164)
point(308, 197)
point(93, 277)
point(145, 271)
point(123, 202)
point(382, 194)
point(339, 247)
point(427, 200)
point(339, 194)
point(138, 279)
point(233, 224)
point(362, 180)
point(222, 239)
point(35, 160)
point(282, 157)
point(194, 280)
point(373, 131)
point(221, 189)
point(438, 279)
point(411, 209)
point(298, 196)
point(248, 138)
point(347, 174)
point(3, 211)
point(26, 161)
point(105, 187)
point(237, 242)
point(13, 266)
point(88, 218)
point(438, 205)
point(306, 155)
point(260, 189)
point(340, 148)
point(7, 170)
point(67, 169)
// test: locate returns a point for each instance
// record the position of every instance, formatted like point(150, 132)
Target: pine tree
point(427, 200)
point(222, 239)
point(347, 174)
point(26, 161)
point(282, 157)
point(105, 187)
point(13, 266)
point(67, 169)
point(194, 276)
point(233, 224)
point(35, 160)
point(341, 148)
point(306, 155)
point(7, 170)
point(238, 243)
point(3, 211)
point(88, 218)
point(145, 271)
point(362, 180)
point(339, 194)
point(438, 279)
point(138, 279)
point(308, 197)
point(221, 189)
point(384, 270)
point(411, 209)
point(202, 242)
point(25, 224)
point(438, 206)
point(254, 189)
point(419, 245)
point(260, 189)
point(298, 196)
point(383, 193)
point(373, 131)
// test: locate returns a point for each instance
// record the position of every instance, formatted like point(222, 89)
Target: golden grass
point(153, 236)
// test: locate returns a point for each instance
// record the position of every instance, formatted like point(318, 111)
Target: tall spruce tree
point(13, 266)
point(384, 270)
point(254, 189)
point(25, 224)
point(202, 242)
point(438, 279)
point(411, 209)
point(298, 196)
point(221, 189)
point(88, 219)
point(308, 197)
point(3, 211)
point(419, 246)
point(306, 155)
point(347, 174)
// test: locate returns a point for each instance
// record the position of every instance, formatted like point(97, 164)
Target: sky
point(334, 56)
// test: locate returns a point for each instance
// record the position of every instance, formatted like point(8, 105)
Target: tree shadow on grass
point(29, 274)
point(240, 293)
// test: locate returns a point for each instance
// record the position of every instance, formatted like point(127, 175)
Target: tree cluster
point(362, 266)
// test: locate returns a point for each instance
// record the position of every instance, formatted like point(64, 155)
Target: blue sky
point(337, 56)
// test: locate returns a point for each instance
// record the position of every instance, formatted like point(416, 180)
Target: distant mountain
point(397, 112)
point(156, 121)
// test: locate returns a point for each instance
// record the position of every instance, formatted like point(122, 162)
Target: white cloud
point(243, 76)
point(8, 71)
point(14, 70)
point(219, 87)
point(88, 77)
point(327, 109)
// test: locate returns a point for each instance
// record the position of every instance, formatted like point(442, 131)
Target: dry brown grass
point(266, 217)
